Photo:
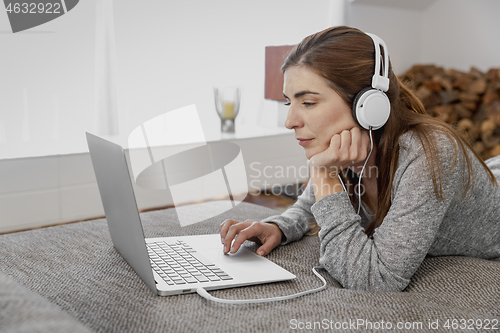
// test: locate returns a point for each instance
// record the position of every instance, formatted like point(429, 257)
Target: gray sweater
point(417, 224)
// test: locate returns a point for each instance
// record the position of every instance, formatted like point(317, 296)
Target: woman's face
point(316, 112)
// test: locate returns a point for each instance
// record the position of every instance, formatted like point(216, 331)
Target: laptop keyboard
point(177, 263)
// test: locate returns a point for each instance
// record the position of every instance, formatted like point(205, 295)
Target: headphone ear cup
point(371, 108)
point(355, 102)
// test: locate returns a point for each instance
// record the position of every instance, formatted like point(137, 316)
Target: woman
point(423, 191)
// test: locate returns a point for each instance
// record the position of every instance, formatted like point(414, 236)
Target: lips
point(304, 142)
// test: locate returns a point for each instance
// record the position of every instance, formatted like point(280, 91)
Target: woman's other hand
point(233, 233)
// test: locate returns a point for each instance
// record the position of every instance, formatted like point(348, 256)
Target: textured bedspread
point(75, 268)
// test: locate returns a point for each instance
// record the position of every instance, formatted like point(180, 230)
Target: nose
point(293, 119)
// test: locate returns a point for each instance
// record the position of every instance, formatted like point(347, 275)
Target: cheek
point(327, 123)
point(325, 135)
point(334, 125)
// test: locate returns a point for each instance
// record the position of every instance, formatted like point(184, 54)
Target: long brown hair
point(345, 56)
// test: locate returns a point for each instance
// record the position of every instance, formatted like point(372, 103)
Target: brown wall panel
point(275, 56)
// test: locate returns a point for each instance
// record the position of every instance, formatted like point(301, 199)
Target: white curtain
point(106, 98)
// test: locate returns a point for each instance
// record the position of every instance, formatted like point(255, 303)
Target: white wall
point(462, 33)
point(450, 33)
point(47, 85)
point(400, 28)
point(174, 55)
point(169, 54)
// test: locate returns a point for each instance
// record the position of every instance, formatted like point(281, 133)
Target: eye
point(287, 104)
point(307, 104)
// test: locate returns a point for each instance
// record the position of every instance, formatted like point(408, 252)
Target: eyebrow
point(301, 93)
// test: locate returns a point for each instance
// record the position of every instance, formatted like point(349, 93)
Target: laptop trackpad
point(246, 265)
point(243, 256)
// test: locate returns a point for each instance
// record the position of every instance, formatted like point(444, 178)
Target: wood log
point(493, 112)
point(478, 87)
point(462, 111)
point(490, 96)
point(433, 86)
point(449, 96)
point(423, 93)
point(475, 73)
point(444, 81)
point(463, 82)
point(468, 129)
point(470, 105)
point(468, 100)
point(445, 113)
point(479, 148)
point(492, 74)
point(467, 96)
point(488, 128)
point(495, 151)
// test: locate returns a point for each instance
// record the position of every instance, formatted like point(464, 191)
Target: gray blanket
point(75, 268)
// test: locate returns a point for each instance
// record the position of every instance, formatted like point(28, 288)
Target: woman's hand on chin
point(346, 149)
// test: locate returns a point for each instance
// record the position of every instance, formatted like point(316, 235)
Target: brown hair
point(345, 56)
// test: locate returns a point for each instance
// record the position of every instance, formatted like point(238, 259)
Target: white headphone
point(371, 106)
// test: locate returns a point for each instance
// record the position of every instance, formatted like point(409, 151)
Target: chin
point(309, 154)
point(311, 151)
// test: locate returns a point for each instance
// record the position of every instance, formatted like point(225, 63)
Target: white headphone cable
point(203, 293)
point(342, 183)
point(363, 170)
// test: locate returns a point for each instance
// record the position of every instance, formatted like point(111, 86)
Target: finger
point(224, 227)
point(254, 230)
point(333, 150)
point(268, 245)
point(232, 231)
point(345, 146)
point(355, 149)
point(226, 224)
point(335, 142)
point(327, 156)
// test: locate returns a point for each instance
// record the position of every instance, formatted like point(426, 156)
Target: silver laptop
point(169, 265)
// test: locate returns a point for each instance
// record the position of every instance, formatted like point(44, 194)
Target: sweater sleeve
point(387, 261)
point(294, 222)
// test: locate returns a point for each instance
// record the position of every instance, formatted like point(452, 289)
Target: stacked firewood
point(469, 101)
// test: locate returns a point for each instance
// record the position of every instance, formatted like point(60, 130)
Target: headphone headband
point(378, 81)
point(371, 106)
